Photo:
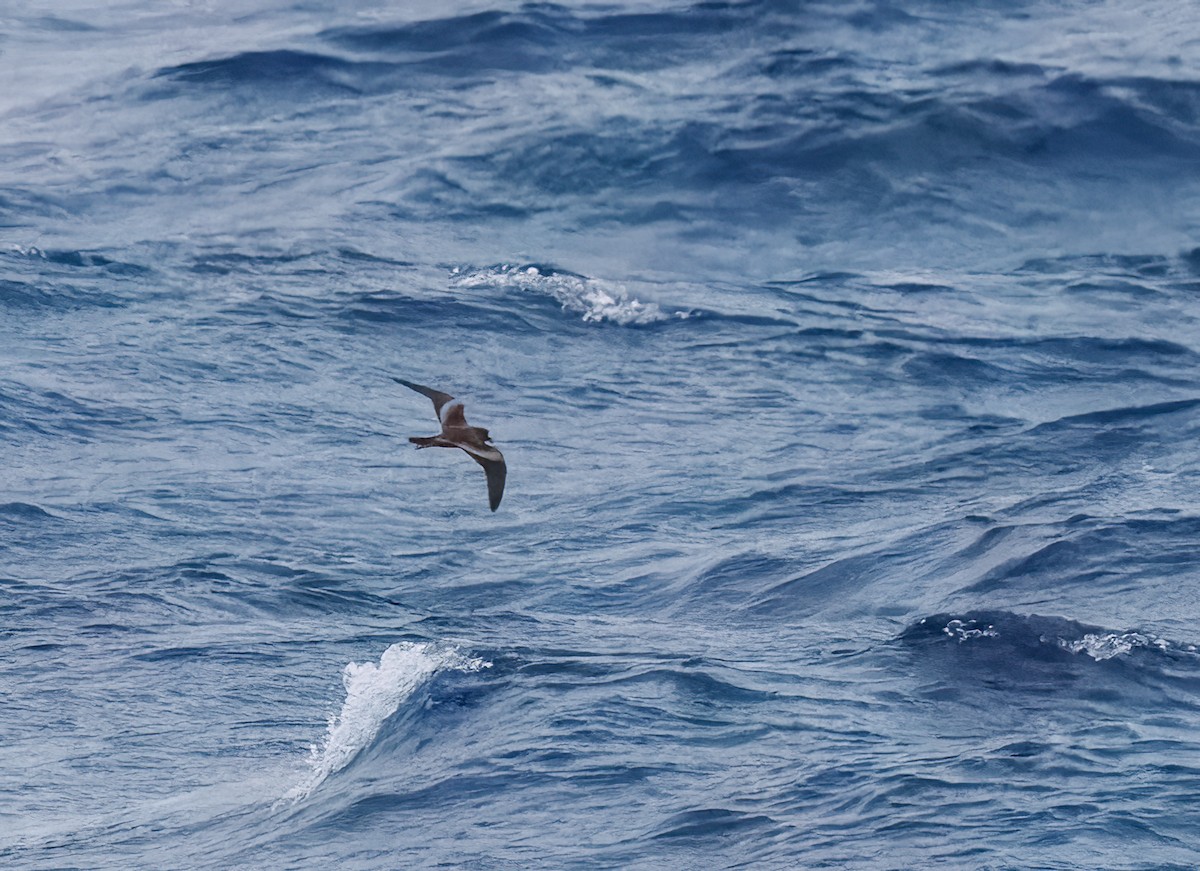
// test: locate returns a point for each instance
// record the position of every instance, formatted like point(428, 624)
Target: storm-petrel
point(457, 433)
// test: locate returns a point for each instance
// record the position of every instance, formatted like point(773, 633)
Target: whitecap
point(962, 630)
point(374, 693)
point(596, 300)
point(1105, 646)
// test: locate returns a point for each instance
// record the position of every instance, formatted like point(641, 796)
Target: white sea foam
point(962, 630)
point(592, 298)
point(374, 693)
point(1102, 647)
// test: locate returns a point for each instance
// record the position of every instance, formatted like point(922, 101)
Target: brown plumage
point(457, 433)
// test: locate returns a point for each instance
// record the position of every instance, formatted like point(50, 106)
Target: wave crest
point(1106, 645)
point(596, 300)
point(1043, 635)
point(374, 693)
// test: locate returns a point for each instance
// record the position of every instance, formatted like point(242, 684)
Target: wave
point(1105, 645)
point(1133, 414)
point(1034, 661)
point(80, 259)
point(1031, 635)
point(468, 45)
point(718, 823)
point(297, 75)
point(24, 409)
point(1099, 645)
point(784, 137)
point(24, 512)
point(595, 300)
point(542, 38)
point(62, 279)
point(373, 694)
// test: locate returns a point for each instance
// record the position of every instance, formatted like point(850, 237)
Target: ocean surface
point(846, 361)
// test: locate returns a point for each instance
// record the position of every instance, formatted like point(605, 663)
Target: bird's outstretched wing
point(495, 469)
point(439, 398)
point(450, 413)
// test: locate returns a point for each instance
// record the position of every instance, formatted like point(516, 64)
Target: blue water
point(845, 356)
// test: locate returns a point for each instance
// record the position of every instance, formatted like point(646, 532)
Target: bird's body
point(457, 433)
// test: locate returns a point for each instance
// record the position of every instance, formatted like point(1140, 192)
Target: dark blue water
point(846, 359)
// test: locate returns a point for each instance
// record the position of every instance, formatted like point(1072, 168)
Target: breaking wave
point(373, 693)
point(595, 300)
point(1038, 633)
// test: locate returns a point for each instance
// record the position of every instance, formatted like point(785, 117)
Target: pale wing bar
point(439, 398)
point(457, 434)
point(494, 467)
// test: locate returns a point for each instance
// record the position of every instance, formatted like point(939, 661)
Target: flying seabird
point(457, 433)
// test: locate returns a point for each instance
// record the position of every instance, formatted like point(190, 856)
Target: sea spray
point(374, 693)
point(594, 299)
